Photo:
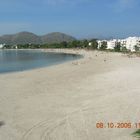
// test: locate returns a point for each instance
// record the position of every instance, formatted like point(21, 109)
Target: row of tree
point(86, 44)
point(73, 44)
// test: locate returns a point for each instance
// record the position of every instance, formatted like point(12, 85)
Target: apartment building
point(129, 43)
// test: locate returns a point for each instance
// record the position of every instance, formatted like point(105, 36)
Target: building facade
point(132, 42)
point(111, 44)
point(129, 43)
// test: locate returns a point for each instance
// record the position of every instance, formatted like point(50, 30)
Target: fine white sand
point(64, 102)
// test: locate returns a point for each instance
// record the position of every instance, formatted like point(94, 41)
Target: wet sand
point(65, 101)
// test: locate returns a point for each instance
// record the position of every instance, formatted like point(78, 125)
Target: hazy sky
point(80, 18)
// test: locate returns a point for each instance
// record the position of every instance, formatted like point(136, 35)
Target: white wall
point(1, 46)
point(131, 42)
point(111, 44)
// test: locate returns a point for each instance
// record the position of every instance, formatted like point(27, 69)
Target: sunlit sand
point(65, 101)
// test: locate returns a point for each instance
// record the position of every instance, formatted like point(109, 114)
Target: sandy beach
point(65, 101)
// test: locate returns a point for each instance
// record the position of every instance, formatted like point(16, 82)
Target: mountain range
point(28, 37)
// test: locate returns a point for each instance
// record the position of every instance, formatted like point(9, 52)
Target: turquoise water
point(20, 60)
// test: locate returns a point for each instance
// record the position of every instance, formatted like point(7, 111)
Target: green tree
point(124, 50)
point(85, 43)
point(103, 45)
point(94, 44)
point(64, 44)
point(74, 44)
point(136, 48)
point(117, 47)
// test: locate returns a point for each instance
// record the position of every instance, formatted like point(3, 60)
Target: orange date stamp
point(119, 125)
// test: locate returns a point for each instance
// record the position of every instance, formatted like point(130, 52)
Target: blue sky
point(80, 18)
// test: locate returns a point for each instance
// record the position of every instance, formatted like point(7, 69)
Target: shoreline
point(70, 52)
point(66, 101)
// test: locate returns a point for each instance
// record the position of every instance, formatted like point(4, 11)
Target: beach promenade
point(66, 101)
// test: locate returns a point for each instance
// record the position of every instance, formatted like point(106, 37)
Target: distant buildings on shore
point(131, 43)
point(1, 46)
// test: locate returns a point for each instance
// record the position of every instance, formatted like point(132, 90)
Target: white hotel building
point(111, 44)
point(130, 43)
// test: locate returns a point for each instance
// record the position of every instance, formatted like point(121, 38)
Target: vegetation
point(137, 48)
point(124, 50)
point(103, 46)
point(94, 44)
point(118, 47)
point(81, 44)
point(137, 134)
point(73, 44)
point(27, 40)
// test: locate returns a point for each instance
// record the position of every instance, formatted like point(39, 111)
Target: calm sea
point(20, 60)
